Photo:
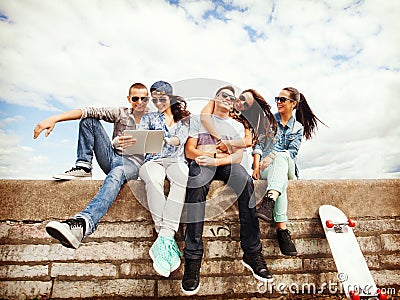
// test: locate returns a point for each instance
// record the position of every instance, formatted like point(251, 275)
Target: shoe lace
point(74, 223)
point(192, 268)
point(73, 169)
point(258, 260)
point(286, 239)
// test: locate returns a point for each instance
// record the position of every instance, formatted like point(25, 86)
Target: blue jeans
point(94, 139)
point(199, 181)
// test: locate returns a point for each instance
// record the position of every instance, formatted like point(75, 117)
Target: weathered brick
point(218, 249)
point(390, 242)
point(83, 269)
point(320, 264)
point(370, 244)
point(386, 278)
point(133, 269)
point(372, 227)
point(24, 289)
point(270, 247)
point(391, 259)
point(222, 267)
point(104, 288)
point(4, 228)
point(285, 264)
point(311, 246)
point(23, 271)
point(123, 230)
point(212, 286)
point(26, 232)
point(87, 251)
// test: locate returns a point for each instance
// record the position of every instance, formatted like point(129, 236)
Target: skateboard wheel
point(354, 295)
point(351, 223)
point(381, 295)
point(329, 224)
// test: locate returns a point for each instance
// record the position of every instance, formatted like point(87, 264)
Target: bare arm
point(256, 166)
point(191, 150)
point(206, 120)
point(247, 141)
point(50, 122)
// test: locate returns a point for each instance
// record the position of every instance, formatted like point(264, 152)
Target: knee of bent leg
point(88, 121)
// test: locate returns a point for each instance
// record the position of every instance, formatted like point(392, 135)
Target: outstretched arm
point(50, 122)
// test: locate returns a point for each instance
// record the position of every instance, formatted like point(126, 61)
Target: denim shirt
point(156, 121)
point(288, 139)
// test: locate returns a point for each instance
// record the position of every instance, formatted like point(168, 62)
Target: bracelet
point(215, 154)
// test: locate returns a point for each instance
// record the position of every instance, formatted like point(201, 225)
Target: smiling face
point(138, 98)
point(244, 101)
point(160, 100)
point(225, 99)
point(286, 104)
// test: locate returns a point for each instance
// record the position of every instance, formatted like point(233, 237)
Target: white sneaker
point(76, 173)
point(70, 232)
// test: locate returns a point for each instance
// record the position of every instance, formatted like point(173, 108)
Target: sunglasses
point(282, 99)
point(226, 95)
point(161, 100)
point(136, 99)
point(245, 104)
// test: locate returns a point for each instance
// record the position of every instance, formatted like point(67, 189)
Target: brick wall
point(114, 263)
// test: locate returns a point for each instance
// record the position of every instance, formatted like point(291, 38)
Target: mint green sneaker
point(165, 255)
point(160, 256)
point(175, 260)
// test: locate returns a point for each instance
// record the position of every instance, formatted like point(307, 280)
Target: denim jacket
point(156, 121)
point(287, 139)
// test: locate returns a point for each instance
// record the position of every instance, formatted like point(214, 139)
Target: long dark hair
point(179, 108)
point(304, 113)
point(258, 117)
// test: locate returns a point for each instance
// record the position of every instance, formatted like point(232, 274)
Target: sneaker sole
point(160, 272)
point(62, 177)
point(66, 238)
point(190, 293)
point(264, 218)
point(258, 277)
point(173, 268)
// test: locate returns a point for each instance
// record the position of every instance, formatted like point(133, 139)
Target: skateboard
point(353, 272)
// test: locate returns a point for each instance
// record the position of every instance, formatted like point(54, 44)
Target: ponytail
point(304, 114)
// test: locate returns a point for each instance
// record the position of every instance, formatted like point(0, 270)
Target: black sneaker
point(256, 264)
point(76, 173)
point(285, 242)
point(191, 277)
point(70, 233)
point(266, 210)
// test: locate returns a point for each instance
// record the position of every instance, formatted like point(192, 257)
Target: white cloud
point(343, 55)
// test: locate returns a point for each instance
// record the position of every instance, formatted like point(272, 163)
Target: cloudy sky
point(343, 55)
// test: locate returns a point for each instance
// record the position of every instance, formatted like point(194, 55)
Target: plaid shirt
point(156, 121)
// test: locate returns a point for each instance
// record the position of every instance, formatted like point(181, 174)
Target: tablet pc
point(148, 141)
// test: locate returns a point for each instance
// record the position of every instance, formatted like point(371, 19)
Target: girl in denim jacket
point(276, 160)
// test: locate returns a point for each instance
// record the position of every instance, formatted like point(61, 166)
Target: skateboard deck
point(353, 272)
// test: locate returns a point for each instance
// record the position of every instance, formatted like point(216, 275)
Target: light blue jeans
point(277, 174)
point(94, 139)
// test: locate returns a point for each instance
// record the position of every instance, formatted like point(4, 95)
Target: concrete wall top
point(38, 200)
